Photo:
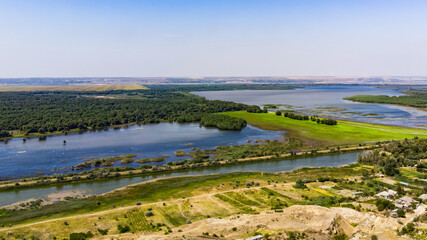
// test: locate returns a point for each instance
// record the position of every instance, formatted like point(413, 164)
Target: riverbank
point(415, 98)
point(354, 99)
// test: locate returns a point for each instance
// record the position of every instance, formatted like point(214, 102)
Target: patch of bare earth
point(315, 221)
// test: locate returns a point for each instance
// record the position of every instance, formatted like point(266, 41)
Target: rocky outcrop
point(339, 226)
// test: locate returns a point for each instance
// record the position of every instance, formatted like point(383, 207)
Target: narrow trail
point(180, 211)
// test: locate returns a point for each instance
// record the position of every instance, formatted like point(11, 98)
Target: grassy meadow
point(346, 132)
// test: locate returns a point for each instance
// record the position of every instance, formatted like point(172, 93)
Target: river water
point(22, 159)
point(103, 186)
point(328, 101)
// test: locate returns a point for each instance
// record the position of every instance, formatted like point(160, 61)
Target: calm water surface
point(33, 156)
point(99, 187)
point(328, 101)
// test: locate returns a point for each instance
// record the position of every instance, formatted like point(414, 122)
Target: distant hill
point(382, 80)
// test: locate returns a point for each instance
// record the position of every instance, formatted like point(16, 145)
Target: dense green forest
point(415, 98)
point(223, 122)
point(42, 112)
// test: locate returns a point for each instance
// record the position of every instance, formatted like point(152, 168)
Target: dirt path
point(180, 210)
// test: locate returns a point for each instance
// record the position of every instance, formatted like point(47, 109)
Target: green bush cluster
point(223, 122)
point(384, 204)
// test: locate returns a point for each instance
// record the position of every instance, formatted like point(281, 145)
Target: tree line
point(306, 118)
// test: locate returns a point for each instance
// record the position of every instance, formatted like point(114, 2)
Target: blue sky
point(66, 38)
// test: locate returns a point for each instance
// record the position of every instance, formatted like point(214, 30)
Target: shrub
point(300, 184)
point(340, 236)
point(123, 229)
point(410, 227)
point(80, 236)
point(103, 231)
point(400, 213)
point(5, 134)
point(149, 214)
point(383, 204)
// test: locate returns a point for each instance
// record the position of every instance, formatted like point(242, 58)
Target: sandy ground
point(50, 199)
point(318, 222)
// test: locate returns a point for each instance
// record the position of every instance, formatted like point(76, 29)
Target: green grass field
point(75, 87)
point(346, 132)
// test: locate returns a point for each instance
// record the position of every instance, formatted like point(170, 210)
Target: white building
point(386, 194)
point(423, 197)
point(257, 237)
point(405, 202)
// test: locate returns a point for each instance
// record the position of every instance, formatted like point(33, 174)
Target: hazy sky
point(68, 38)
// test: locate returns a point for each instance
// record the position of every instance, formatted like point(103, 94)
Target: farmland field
point(74, 87)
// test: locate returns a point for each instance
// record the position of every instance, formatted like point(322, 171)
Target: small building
point(257, 237)
point(386, 194)
point(423, 197)
point(398, 206)
point(404, 183)
point(406, 202)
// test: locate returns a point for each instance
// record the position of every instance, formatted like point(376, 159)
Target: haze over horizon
point(166, 38)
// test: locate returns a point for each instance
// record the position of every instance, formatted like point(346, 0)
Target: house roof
point(423, 196)
point(255, 237)
point(386, 193)
point(407, 199)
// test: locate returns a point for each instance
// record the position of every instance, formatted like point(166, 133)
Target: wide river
point(328, 101)
point(103, 186)
point(22, 159)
